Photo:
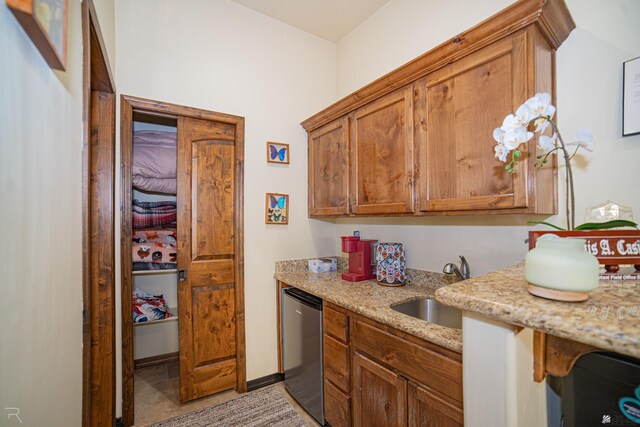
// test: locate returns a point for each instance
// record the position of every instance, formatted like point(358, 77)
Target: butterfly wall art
point(277, 152)
point(277, 211)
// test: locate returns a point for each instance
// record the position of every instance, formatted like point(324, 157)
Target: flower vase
point(561, 269)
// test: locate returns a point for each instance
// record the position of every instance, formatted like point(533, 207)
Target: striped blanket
point(153, 214)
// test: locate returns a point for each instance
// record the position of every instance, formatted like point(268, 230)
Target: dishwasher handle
point(304, 297)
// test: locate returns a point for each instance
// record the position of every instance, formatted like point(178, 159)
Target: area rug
point(263, 407)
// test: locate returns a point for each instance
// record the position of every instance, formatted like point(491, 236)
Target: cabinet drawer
point(337, 406)
point(432, 369)
point(335, 324)
point(336, 363)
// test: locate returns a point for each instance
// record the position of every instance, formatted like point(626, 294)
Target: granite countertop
point(609, 319)
point(374, 301)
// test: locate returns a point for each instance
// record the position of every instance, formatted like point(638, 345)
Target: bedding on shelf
point(148, 307)
point(154, 161)
point(153, 214)
point(154, 249)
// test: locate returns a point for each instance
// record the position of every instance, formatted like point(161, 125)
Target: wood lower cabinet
point(376, 375)
point(382, 155)
point(379, 394)
point(429, 410)
point(337, 365)
point(329, 169)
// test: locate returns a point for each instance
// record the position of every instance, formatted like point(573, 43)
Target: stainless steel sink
point(432, 311)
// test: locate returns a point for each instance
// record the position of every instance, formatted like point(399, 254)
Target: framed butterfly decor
point(277, 211)
point(277, 152)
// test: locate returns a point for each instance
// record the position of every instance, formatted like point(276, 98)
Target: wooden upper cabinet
point(382, 155)
point(459, 107)
point(427, 148)
point(329, 169)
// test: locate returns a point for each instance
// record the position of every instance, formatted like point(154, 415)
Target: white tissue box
point(323, 265)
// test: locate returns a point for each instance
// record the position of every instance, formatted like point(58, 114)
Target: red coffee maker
point(360, 255)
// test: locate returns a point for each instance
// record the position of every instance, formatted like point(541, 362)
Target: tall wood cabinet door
point(379, 395)
point(458, 108)
point(206, 299)
point(428, 410)
point(329, 169)
point(382, 155)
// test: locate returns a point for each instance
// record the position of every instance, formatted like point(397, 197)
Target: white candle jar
point(562, 264)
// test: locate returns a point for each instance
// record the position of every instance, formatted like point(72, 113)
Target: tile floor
point(157, 396)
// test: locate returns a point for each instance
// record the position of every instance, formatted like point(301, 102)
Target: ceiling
point(329, 19)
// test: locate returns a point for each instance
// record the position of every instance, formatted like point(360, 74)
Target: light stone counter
point(374, 301)
point(609, 319)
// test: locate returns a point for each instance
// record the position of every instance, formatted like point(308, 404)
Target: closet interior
point(154, 251)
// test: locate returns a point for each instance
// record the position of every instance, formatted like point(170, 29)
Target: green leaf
point(606, 225)
point(547, 223)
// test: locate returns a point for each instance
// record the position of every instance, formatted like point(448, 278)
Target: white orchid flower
point(516, 136)
point(510, 122)
point(539, 105)
point(501, 152)
point(523, 115)
point(584, 139)
point(548, 144)
point(498, 135)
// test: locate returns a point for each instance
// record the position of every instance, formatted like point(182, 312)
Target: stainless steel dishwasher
point(302, 350)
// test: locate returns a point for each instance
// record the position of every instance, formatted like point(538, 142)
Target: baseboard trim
point(156, 360)
point(264, 381)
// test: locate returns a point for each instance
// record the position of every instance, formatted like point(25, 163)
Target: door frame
point(129, 106)
point(98, 226)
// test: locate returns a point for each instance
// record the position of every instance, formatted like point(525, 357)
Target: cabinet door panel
point(382, 161)
point(464, 103)
point(329, 169)
point(428, 410)
point(336, 362)
point(337, 406)
point(379, 395)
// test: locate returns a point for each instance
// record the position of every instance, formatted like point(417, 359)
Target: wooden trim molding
point(98, 226)
point(552, 17)
point(554, 355)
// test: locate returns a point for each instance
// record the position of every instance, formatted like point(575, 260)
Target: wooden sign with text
point(611, 247)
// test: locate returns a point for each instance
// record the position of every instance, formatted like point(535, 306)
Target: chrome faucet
point(461, 273)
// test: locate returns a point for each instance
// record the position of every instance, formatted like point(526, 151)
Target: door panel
point(206, 298)
point(464, 103)
point(379, 395)
point(382, 161)
point(428, 410)
point(329, 169)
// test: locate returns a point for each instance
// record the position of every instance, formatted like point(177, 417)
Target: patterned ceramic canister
point(390, 269)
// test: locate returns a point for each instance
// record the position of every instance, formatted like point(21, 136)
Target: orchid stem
point(570, 197)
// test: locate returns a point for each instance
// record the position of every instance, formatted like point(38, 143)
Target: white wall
point(589, 87)
point(40, 225)
point(223, 57)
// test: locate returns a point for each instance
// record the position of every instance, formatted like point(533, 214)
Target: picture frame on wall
point(277, 152)
point(277, 209)
point(45, 22)
point(631, 97)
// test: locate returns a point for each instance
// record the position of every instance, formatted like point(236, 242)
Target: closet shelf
point(153, 272)
point(172, 310)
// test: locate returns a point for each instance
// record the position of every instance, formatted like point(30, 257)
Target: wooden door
point(428, 410)
point(329, 169)
point(459, 107)
point(382, 155)
point(379, 395)
point(206, 254)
